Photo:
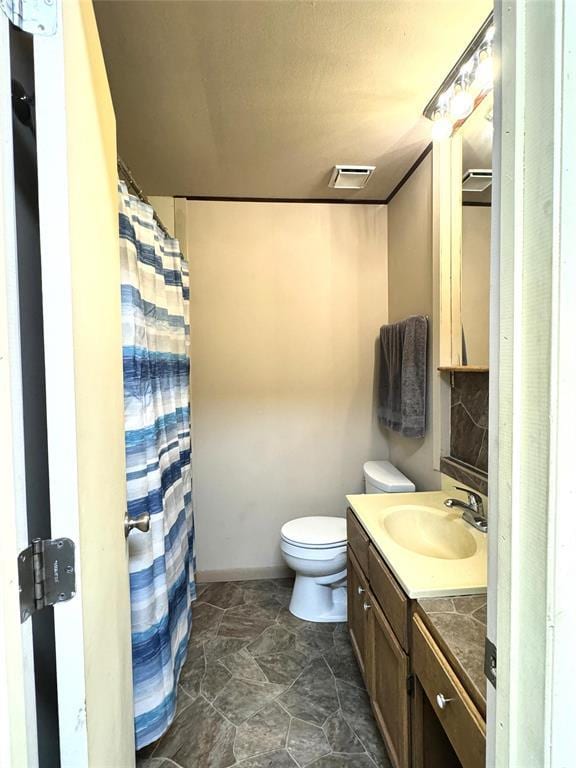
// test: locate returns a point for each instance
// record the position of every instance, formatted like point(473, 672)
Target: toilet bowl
point(315, 549)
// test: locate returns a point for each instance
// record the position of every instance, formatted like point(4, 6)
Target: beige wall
point(286, 304)
point(476, 282)
point(164, 207)
point(410, 291)
point(99, 392)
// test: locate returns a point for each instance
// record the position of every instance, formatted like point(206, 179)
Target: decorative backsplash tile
point(468, 460)
point(464, 474)
point(469, 420)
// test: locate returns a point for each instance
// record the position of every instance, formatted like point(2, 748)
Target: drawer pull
point(366, 606)
point(442, 701)
point(361, 591)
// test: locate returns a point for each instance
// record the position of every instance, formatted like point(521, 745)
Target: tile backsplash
point(468, 460)
point(469, 420)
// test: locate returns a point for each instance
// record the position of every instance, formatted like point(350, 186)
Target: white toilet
point(315, 548)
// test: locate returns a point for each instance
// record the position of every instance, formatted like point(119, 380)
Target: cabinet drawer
point(460, 719)
point(357, 540)
point(393, 601)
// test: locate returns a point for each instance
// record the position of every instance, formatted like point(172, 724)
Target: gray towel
point(402, 381)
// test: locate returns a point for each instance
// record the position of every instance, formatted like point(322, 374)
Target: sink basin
point(429, 532)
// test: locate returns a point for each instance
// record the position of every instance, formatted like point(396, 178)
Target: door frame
point(57, 308)
point(18, 733)
point(534, 496)
point(81, 305)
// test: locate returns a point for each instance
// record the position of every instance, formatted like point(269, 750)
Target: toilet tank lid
point(385, 476)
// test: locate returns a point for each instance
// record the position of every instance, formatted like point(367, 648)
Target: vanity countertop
point(458, 624)
point(431, 551)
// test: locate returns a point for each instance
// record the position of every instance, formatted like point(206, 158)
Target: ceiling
point(261, 98)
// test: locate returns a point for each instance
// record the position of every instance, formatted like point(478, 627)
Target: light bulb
point(484, 75)
point(441, 128)
point(461, 104)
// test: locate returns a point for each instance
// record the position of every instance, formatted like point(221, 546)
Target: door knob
point(366, 606)
point(361, 591)
point(442, 701)
point(141, 523)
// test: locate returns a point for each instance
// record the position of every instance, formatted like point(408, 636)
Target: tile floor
point(262, 689)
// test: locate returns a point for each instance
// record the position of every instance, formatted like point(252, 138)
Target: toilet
point(315, 549)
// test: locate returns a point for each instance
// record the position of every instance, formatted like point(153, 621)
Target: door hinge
point(38, 17)
point(410, 685)
point(46, 575)
point(490, 661)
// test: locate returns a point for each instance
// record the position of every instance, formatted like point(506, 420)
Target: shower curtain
point(155, 330)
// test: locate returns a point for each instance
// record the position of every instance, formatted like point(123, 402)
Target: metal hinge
point(490, 661)
point(38, 17)
point(46, 575)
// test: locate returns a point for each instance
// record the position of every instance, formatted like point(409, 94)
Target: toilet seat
point(312, 553)
point(315, 532)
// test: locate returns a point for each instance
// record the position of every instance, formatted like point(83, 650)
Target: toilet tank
point(383, 477)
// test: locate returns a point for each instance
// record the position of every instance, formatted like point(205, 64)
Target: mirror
point(462, 167)
point(476, 196)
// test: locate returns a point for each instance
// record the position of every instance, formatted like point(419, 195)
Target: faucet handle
point(473, 497)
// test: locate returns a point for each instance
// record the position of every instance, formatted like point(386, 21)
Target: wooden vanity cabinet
point(381, 656)
point(431, 747)
point(389, 680)
point(357, 613)
point(462, 723)
point(404, 669)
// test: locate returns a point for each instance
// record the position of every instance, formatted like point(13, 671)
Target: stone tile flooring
point(263, 689)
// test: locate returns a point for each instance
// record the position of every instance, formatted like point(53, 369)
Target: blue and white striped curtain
point(156, 333)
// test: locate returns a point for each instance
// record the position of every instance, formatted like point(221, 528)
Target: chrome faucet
point(473, 509)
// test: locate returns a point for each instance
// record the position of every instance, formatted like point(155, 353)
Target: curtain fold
point(156, 333)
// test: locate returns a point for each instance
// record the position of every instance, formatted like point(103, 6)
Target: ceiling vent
point(351, 176)
point(477, 180)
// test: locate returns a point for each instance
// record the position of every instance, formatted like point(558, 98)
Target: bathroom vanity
point(426, 689)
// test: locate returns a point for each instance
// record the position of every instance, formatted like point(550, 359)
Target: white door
point(80, 272)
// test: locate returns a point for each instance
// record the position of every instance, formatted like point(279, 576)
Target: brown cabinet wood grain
point(460, 719)
point(357, 615)
point(388, 672)
point(431, 747)
point(358, 541)
point(390, 595)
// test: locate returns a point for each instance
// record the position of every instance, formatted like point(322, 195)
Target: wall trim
point(244, 574)
point(415, 165)
point(313, 200)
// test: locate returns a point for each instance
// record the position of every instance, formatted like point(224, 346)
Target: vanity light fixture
point(441, 120)
point(468, 82)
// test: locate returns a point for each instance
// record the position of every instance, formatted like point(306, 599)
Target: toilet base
point(314, 601)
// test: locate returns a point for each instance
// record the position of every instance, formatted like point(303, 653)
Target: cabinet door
point(388, 684)
point(431, 747)
point(357, 612)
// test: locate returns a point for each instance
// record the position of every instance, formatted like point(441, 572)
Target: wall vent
point(477, 179)
point(351, 176)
